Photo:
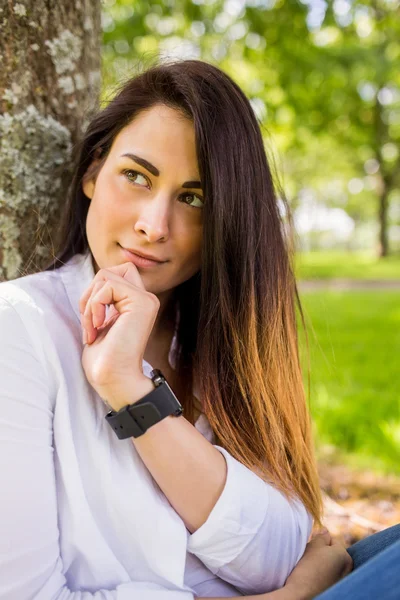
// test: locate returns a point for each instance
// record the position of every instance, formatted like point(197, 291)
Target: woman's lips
point(138, 260)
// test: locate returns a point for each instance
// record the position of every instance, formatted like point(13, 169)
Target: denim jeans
point(376, 574)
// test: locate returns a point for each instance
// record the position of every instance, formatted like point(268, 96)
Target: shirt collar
point(76, 274)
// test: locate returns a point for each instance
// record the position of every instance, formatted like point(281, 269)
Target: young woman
point(112, 492)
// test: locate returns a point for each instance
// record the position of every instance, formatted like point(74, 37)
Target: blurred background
point(324, 81)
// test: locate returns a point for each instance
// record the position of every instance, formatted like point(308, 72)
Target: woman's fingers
point(319, 532)
point(323, 563)
point(322, 537)
point(121, 295)
point(348, 561)
point(93, 316)
point(130, 272)
point(126, 272)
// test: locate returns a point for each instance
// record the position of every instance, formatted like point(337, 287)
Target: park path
point(310, 285)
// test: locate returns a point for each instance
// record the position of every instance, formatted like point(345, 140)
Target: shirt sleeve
point(30, 564)
point(254, 536)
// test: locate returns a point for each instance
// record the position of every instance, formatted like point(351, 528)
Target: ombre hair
point(237, 329)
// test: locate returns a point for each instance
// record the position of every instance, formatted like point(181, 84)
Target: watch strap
point(134, 419)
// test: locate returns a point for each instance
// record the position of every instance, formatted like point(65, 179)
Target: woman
point(111, 491)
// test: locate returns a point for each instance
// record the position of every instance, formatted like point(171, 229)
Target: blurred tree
point(359, 103)
point(323, 79)
point(49, 85)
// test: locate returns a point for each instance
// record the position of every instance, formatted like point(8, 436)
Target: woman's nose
point(153, 219)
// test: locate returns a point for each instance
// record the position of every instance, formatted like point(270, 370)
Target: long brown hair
point(237, 329)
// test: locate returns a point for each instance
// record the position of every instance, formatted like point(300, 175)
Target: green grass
point(361, 265)
point(355, 373)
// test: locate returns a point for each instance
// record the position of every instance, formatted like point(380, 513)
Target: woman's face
point(154, 209)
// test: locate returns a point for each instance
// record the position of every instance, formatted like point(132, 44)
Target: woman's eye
point(134, 177)
point(131, 175)
point(198, 201)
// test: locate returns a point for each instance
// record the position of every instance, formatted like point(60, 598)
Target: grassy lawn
point(355, 377)
point(326, 265)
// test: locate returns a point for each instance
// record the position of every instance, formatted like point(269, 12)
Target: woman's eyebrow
point(154, 171)
point(145, 163)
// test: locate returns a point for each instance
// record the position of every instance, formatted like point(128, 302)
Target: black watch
point(135, 419)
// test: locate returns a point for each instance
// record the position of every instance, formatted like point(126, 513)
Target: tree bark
point(49, 89)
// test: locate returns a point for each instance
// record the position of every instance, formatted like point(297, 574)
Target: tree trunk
point(49, 88)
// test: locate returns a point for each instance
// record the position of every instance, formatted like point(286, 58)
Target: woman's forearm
point(193, 473)
point(188, 469)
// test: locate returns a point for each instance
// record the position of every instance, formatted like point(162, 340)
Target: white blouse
point(80, 515)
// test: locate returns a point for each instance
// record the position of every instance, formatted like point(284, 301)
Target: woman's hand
point(113, 354)
point(324, 562)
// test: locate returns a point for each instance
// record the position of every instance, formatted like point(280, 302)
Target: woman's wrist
point(139, 386)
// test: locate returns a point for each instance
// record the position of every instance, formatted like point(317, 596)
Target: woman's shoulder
point(39, 315)
point(27, 290)
point(26, 300)
point(45, 306)
point(46, 293)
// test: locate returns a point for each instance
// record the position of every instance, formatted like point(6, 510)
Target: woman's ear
point(89, 178)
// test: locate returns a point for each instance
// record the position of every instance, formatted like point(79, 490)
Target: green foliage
point(324, 81)
point(354, 342)
point(360, 265)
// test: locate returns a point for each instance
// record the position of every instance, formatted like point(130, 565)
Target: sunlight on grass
point(354, 342)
